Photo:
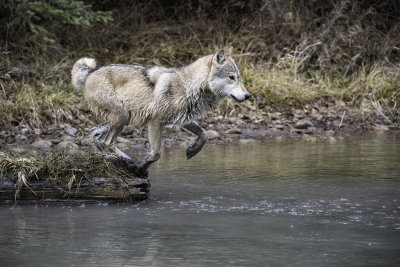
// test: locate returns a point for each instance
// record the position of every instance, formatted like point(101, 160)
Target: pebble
point(233, 131)
point(275, 115)
point(381, 128)
point(337, 123)
point(67, 137)
point(86, 141)
point(24, 131)
point(18, 150)
point(332, 140)
point(330, 133)
point(309, 138)
point(122, 140)
point(67, 145)
point(70, 130)
point(311, 130)
point(212, 134)
point(303, 124)
point(42, 144)
point(21, 138)
point(127, 130)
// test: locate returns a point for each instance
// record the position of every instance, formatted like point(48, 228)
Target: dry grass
point(290, 53)
point(58, 168)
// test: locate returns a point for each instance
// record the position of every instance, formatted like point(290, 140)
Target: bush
point(40, 18)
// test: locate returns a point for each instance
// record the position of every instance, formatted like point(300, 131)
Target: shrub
point(41, 17)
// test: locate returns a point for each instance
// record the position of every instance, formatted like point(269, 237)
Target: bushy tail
point(81, 70)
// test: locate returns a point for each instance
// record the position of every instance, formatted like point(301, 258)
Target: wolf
point(156, 97)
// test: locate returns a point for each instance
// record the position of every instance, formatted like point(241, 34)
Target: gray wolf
point(156, 97)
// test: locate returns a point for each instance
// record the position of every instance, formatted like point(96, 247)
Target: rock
point(122, 140)
point(303, 124)
point(67, 137)
point(246, 141)
point(275, 130)
point(42, 144)
point(67, 145)
point(381, 128)
point(309, 138)
point(86, 141)
point(332, 140)
point(127, 130)
point(233, 131)
point(24, 131)
point(330, 133)
point(70, 130)
point(296, 131)
point(336, 124)
point(54, 141)
point(212, 134)
point(280, 126)
point(20, 138)
point(18, 150)
point(311, 130)
point(276, 115)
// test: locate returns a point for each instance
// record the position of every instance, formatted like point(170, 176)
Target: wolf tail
point(81, 70)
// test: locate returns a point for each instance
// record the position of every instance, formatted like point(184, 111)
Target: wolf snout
point(240, 98)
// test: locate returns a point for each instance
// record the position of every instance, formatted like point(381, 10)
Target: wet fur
point(155, 96)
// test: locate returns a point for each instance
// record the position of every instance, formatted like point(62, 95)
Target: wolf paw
point(99, 130)
point(193, 150)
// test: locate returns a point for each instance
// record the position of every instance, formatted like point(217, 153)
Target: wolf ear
point(228, 52)
point(220, 56)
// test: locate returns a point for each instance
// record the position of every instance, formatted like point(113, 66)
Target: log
point(61, 176)
point(88, 189)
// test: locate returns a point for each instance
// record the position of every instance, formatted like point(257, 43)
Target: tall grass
point(289, 52)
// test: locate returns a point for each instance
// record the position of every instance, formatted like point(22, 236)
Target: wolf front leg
point(195, 128)
point(154, 133)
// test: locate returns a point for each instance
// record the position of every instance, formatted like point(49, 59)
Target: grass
point(57, 168)
point(38, 104)
point(290, 53)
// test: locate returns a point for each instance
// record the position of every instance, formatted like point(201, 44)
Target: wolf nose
point(246, 96)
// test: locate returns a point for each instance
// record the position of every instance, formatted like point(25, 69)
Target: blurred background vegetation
point(290, 52)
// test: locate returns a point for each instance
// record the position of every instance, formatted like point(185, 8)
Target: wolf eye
point(232, 77)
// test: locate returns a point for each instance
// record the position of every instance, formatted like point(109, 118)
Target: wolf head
point(224, 77)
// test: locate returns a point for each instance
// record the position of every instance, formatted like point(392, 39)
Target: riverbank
point(320, 121)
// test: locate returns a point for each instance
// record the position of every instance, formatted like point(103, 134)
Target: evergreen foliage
point(40, 17)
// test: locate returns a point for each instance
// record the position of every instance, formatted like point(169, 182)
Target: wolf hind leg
point(98, 132)
point(117, 123)
point(196, 129)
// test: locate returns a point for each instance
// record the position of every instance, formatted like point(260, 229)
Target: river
point(250, 204)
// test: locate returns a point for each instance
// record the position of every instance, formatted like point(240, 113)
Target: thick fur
point(80, 71)
point(157, 96)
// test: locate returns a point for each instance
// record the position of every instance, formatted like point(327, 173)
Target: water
point(252, 204)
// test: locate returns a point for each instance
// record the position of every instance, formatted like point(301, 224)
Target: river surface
point(253, 204)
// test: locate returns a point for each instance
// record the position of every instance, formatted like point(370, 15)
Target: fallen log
point(91, 189)
point(59, 177)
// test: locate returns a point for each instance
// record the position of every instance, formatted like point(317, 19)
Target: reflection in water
point(236, 205)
